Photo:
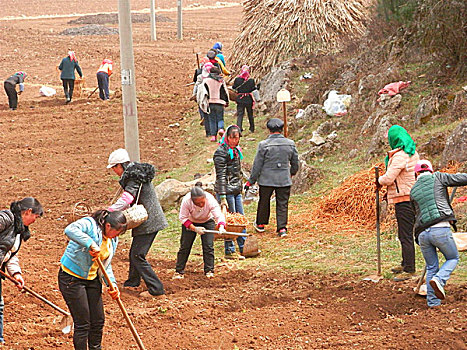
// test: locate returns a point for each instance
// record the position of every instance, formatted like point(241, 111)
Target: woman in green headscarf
point(399, 178)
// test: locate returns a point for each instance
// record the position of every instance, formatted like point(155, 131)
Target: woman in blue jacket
point(78, 278)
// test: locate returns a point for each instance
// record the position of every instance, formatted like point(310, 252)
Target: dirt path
point(58, 153)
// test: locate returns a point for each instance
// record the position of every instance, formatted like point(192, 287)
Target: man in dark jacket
point(275, 163)
point(68, 66)
point(433, 218)
point(228, 184)
point(10, 88)
point(136, 182)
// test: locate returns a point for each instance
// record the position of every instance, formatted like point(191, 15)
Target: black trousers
point(186, 243)
point(241, 113)
point(68, 87)
point(405, 222)
point(141, 268)
point(282, 205)
point(84, 299)
point(10, 90)
point(103, 83)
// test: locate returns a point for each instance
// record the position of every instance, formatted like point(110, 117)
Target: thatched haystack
point(276, 30)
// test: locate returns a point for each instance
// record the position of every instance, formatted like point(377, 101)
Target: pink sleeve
point(123, 202)
point(187, 223)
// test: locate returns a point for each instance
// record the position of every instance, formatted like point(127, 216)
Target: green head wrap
point(398, 137)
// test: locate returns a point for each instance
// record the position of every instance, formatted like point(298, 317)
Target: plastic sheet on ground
point(47, 91)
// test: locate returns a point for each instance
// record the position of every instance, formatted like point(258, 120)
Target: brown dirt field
point(58, 153)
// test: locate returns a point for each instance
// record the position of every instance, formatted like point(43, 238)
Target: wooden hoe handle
point(122, 308)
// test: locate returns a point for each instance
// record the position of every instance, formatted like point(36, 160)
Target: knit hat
point(118, 156)
point(217, 46)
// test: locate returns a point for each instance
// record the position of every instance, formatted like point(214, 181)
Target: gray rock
point(379, 140)
point(271, 83)
point(332, 137)
point(326, 127)
point(305, 178)
point(390, 103)
point(456, 145)
point(429, 106)
point(433, 147)
point(316, 139)
point(171, 191)
point(313, 112)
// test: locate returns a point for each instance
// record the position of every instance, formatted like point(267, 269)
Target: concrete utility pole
point(179, 20)
point(153, 20)
point(130, 112)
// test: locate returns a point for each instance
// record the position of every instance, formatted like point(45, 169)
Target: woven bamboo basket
point(78, 211)
point(230, 227)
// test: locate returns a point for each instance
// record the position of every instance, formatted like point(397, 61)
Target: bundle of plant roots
point(276, 30)
point(352, 204)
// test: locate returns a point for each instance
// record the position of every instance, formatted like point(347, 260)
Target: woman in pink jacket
point(399, 178)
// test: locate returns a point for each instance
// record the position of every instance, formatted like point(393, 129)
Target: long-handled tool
point(376, 278)
point(120, 305)
point(66, 322)
point(93, 91)
point(241, 234)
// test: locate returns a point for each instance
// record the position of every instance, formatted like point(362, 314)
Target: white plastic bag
point(256, 95)
point(336, 105)
point(47, 91)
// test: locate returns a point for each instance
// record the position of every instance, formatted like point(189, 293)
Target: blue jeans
point(441, 238)
point(235, 205)
point(216, 118)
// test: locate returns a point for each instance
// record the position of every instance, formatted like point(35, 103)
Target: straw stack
point(276, 30)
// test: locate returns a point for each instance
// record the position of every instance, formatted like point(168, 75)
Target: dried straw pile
point(353, 203)
point(276, 30)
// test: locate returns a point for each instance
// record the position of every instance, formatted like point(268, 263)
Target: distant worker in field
point(68, 66)
point(244, 86)
point(399, 179)
point(228, 186)
point(216, 61)
point(10, 88)
point(433, 220)
point(199, 211)
point(103, 74)
point(218, 47)
point(202, 99)
point(218, 99)
point(275, 163)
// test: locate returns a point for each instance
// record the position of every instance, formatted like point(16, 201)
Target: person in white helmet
point(136, 180)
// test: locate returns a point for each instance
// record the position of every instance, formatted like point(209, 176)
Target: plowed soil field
point(58, 153)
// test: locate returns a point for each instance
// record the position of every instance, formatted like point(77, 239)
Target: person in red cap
point(103, 74)
point(433, 220)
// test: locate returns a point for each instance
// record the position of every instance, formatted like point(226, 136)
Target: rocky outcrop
point(456, 145)
point(170, 192)
point(305, 178)
point(271, 83)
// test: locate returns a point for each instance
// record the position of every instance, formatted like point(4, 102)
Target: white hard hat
point(118, 156)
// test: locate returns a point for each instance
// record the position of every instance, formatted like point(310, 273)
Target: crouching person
point(433, 218)
point(199, 211)
point(78, 278)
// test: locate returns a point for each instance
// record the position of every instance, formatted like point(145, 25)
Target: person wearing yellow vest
point(103, 74)
point(79, 279)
